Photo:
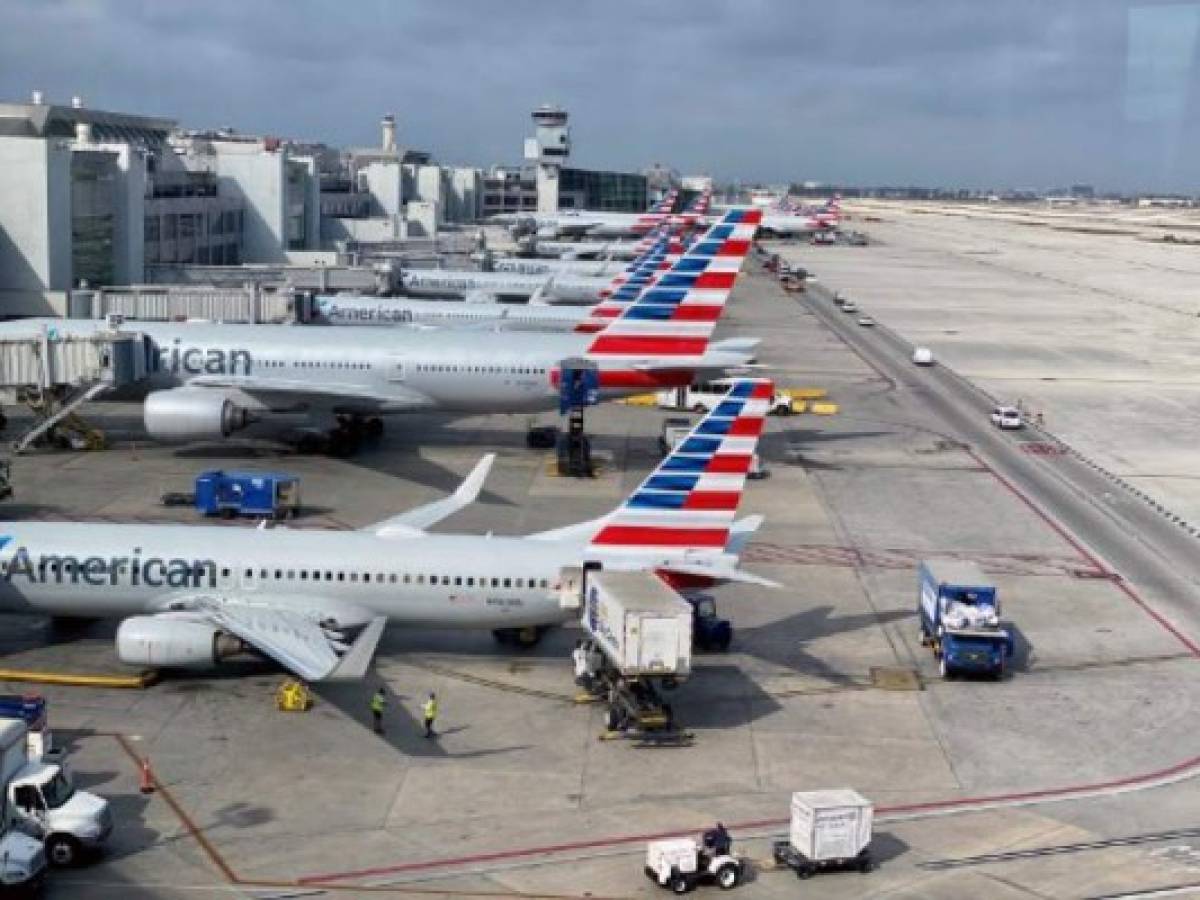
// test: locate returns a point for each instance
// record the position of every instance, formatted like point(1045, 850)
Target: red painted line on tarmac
point(932, 806)
point(1192, 647)
point(961, 803)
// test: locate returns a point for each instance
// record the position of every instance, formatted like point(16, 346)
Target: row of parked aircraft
point(317, 602)
point(783, 219)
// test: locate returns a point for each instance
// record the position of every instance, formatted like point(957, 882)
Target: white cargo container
point(642, 626)
point(830, 825)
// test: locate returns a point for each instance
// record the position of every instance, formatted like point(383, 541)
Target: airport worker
point(430, 711)
point(378, 704)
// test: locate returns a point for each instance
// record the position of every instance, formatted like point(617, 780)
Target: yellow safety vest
point(431, 709)
point(378, 703)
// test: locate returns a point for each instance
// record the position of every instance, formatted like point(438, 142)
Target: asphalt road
point(1131, 539)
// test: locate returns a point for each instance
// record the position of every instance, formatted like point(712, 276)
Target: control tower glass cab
point(548, 148)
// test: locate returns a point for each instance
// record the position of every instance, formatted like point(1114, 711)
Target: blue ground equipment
point(960, 618)
point(274, 495)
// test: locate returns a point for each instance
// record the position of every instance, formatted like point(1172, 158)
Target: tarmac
point(1073, 777)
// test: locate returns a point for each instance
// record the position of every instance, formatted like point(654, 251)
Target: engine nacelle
point(183, 414)
point(174, 643)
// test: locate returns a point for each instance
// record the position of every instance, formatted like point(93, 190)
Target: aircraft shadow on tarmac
point(783, 642)
point(402, 730)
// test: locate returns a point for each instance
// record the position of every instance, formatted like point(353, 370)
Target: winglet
point(415, 521)
point(353, 665)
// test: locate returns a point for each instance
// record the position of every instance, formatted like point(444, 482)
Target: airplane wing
point(295, 638)
point(414, 522)
point(316, 392)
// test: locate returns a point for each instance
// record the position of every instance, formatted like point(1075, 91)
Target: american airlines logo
point(203, 360)
point(376, 313)
point(98, 571)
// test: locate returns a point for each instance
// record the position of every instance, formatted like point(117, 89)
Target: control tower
point(548, 149)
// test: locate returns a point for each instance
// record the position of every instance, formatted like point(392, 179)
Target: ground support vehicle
point(42, 801)
point(271, 495)
point(682, 864)
point(960, 618)
point(829, 830)
point(639, 645)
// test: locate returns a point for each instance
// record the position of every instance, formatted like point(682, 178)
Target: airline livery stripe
point(648, 344)
point(747, 428)
point(661, 536)
point(739, 462)
point(723, 500)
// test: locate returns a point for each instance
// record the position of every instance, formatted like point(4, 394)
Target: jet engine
point(174, 643)
point(183, 414)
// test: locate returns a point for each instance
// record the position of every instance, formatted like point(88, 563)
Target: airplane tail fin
point(690, 501)
point(674, 318)
point(666, 205)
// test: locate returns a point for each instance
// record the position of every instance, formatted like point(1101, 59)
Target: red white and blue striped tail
point(701, 205)
point(689, 502)
point(667, 204)
point(673, 318)
point(629, 285)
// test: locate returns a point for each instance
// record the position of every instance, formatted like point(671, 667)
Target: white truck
point(641, 631)
point(41, 799)
point(641, 626)
point(830, 829)
point(704, 397)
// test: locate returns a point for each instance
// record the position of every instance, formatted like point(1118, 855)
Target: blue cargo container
point(274, 495)
point(960, 618)
point(30, 708)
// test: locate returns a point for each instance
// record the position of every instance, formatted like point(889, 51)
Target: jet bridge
point(55, 374)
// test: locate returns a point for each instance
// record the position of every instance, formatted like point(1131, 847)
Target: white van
point(923, 356)
point(704, 398)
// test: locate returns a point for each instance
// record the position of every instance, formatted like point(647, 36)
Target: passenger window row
point(387, 577)
point(482, 370)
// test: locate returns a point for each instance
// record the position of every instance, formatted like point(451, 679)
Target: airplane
point(613, 264)
point(358, 309)
point(592, 223)
point(562, 287)
point(316, 602)
point(207, 381)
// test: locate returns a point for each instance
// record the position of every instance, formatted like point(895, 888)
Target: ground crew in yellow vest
point(430, 710)
point(378, 704)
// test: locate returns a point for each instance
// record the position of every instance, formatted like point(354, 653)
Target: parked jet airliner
point(210, 380)
point(317, 601)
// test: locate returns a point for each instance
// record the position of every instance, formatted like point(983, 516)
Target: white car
point(849, 306)
point(1007, 417)
point(923, 356)
point(866, 321)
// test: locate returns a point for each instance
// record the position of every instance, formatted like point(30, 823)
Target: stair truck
point(41, 800)
point(960, 618)
point(829, 830)
point(639, 637)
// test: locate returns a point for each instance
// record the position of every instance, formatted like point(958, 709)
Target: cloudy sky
point(1017, 93)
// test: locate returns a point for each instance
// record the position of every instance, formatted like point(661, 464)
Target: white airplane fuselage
point(103, 570)
point(371, 371)
point(352, 309)
point(566, 287)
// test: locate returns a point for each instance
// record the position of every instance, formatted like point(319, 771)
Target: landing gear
point(351, 431)
point(519, 637)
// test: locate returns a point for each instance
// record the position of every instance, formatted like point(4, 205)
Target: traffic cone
point(147, 778)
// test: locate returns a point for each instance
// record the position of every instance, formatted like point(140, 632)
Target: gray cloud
point(922, 91)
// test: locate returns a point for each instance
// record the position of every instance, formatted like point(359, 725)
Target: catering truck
point(640, 634)
point(960, 618)
point(40, 799)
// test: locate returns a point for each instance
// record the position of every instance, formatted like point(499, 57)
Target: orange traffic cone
point(147, 779)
